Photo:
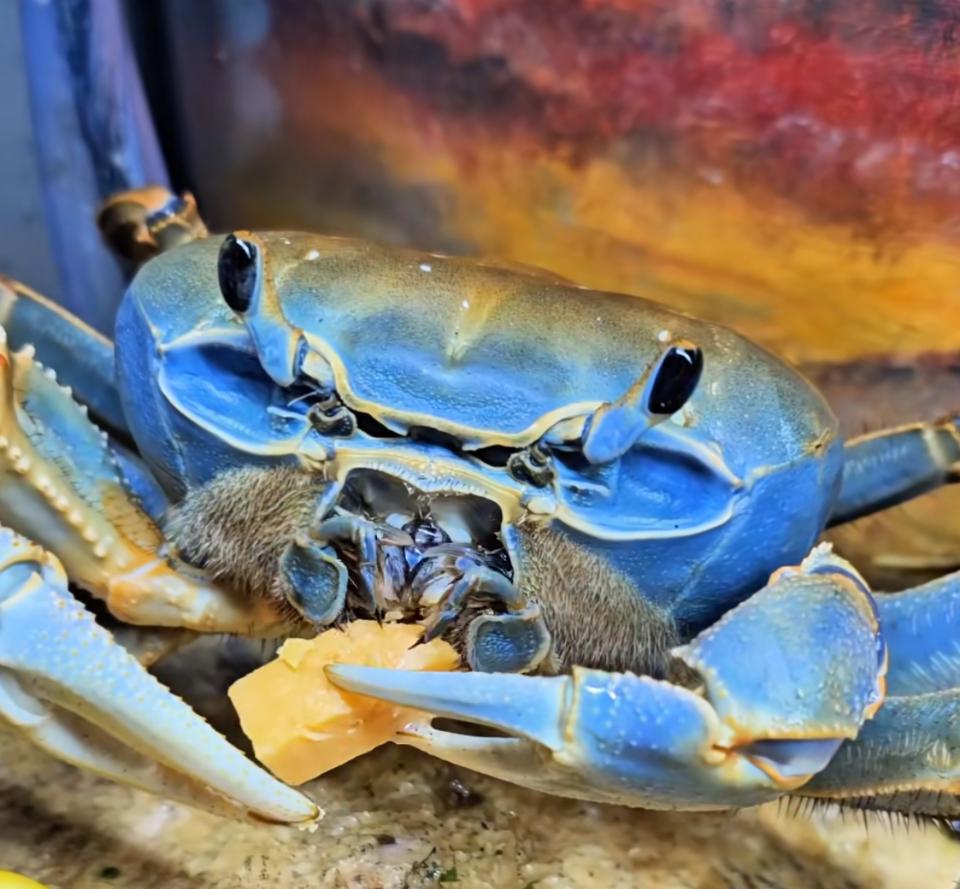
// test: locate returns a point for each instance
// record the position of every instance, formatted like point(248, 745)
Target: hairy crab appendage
point(373, 547)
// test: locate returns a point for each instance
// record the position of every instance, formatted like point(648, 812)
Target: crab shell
point(452, 364)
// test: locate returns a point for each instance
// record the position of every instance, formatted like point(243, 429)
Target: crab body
point(608, 507)
point(458, 365)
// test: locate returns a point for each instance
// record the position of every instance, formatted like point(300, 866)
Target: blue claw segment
point(762, 719)
point(613, 738)
point(906, 758)
point(523, 705)
point(70, 687)
point(801, 659)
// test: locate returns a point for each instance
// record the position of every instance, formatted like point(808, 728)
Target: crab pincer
point(65, 680)
point(755, 717)
point(68, 686)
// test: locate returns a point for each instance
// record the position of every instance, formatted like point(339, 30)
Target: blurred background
point(24, 242)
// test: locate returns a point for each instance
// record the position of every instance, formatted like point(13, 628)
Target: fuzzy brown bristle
point(595, 614)
point(237, 525)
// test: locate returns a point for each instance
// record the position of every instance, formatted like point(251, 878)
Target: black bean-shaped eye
point(677, 377)
point(237, 271)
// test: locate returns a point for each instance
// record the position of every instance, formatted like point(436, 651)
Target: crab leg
point(83, 356)
point(921, 627)
point(60, 486)
point(760, 717)
point(70, 688)
point(885, 468)
point(906, 759)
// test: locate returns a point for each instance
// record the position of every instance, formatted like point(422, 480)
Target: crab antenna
point(663, 388)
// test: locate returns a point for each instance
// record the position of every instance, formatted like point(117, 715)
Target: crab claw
point(75, 692)
point(60, 484)
point(778, 684)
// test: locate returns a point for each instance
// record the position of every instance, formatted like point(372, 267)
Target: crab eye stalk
point(237, 272)
point(664, 388)
point(675, 379)
point(531, 465)
point(248, 286)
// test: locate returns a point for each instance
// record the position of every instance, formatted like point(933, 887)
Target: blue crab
point(611, 509)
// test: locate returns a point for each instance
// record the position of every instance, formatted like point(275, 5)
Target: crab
point(611, 509)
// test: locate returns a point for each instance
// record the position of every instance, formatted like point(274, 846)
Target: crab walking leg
point(60, 486)
point(762, 717)
point(888, 467)
point(141, 223)
point(906, 760)
point(921, 627)
point(71, 689)
point(83, 357)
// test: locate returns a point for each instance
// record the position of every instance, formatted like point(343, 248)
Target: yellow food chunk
point(301, 725)
point(10, 880)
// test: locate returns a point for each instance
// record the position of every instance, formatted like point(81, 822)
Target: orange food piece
point(301, 725)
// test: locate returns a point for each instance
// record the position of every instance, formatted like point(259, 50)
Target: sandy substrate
point(399, 819)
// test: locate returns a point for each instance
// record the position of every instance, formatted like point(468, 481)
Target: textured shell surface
point(491, 354)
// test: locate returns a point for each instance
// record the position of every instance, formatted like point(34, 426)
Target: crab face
point(633, 430)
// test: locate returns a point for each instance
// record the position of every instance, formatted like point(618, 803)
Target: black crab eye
point(237, 272)
point(676, 379)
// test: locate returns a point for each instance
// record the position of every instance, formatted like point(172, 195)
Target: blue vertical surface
point(93, 136)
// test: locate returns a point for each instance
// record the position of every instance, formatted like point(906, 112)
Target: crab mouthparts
point(421, 547)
